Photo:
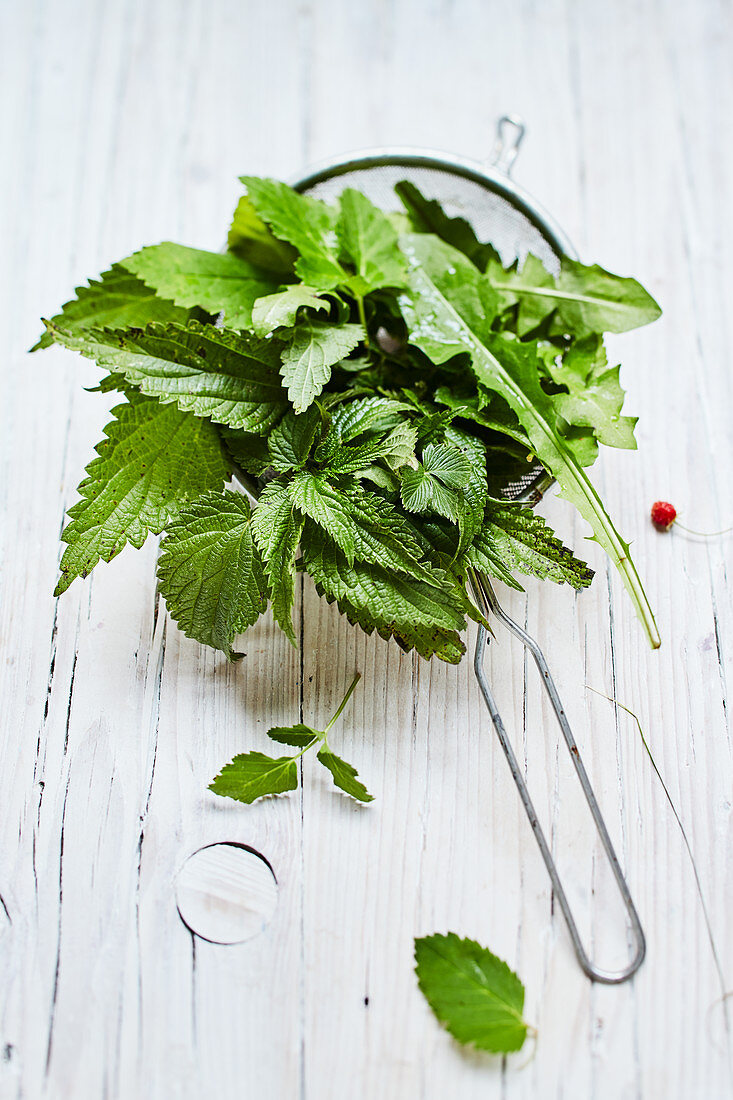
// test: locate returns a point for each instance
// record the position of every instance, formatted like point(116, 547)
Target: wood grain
point(127, 123)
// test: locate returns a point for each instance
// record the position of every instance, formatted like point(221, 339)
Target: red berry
point(663, 515)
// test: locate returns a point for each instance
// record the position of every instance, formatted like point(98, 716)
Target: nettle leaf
point(116, 299)
point(309, 354)
point(153, 460)
point(210, 572)
point(588, 299)
point(596, 398)
point(441, 312)
point(433, 485)
point(298, 736)
point(367, 416)
point(290, 442)
point(250, 239)
point(215, 281)
point(370, 243)
point(253, 775)
point(326, 506)
point(228, 376)
point(344, 775)
point(248, 450)
point(474, 493)
point(389, 598)
point(428, 216)
point(277, 527)
point(517, 538)
point(474, 994)
point(397, 448)
point(306, 223)
point(281, 309)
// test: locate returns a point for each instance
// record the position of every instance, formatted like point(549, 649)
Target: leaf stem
point(344, 701)
point(362, 318)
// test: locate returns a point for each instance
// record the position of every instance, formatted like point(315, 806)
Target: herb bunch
point(377, 379)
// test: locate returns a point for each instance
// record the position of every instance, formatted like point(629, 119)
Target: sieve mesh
point(483, 202)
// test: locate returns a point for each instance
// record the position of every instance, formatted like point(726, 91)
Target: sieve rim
point(493, 179)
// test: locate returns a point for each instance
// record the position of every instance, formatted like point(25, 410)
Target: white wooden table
point(128, 122)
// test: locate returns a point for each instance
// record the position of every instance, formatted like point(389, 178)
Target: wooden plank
point(128, 124)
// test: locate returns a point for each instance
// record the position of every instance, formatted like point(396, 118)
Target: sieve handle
point(510, 131)
point(487, 601)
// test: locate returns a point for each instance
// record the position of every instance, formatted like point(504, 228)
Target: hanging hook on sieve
point(510, 131)
point(487, 600)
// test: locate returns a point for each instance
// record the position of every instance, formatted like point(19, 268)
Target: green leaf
point(367, 416)
point(588, 299)
point(428, 216)
point(290, 442)
point(309, 225)
point(153, 460)
point(444, 469)
point(324, 504)
point(115, 299)
point(248, 450)
point(276, 528)
point(309, 354)
point(344, 776)
point(520, 539)
point(210, 572)
point(443, 319)
point(228, 376)
point(474, 493)
point(475, 995)
point(389, 599)
point(253, 775)
point(281, 309)
point(250, 239)
point(370, 243)
point(595, 397)
point(299, 736)
point(214, 281)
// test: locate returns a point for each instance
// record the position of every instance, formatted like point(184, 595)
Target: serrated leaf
point(250, 239)
point(448, 464)
point(281, 309)
point(370, 243)
point(306, 223)
point(595, 397)
point(390, 599)
point(276, 528)
point(313, 495)
point(253, 775)
point(115, 300)
point(433, 485)
point(248, 450)
point(290, 442)
point(520, 539)
point(474, 493)
point(344, 775)
point(588, 299)
point(428, 216)
point(228, 376)
point(309, 354)
point(215, 281)
point(153, 460)
point(210, 572)
point(298, 736)
point(442, 315)
point(474, 994)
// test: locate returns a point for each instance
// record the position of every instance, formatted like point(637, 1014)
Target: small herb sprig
point(253, 775)
point(377, 381)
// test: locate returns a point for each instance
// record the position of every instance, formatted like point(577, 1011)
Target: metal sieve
point(503, 213)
